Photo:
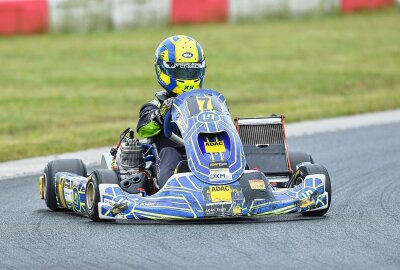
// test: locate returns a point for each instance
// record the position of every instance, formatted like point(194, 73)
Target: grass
point(67, 92)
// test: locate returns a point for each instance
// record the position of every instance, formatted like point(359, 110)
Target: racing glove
point(166, 106)
point(156, 117)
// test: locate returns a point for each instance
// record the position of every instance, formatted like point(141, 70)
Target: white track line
point(31, 166)
point(342, 123)
point(92, 156)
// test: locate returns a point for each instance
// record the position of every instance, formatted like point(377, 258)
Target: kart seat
point(182, 167)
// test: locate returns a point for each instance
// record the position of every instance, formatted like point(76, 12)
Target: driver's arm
point(149, 124)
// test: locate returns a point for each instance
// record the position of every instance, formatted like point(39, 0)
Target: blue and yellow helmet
point(180, 65)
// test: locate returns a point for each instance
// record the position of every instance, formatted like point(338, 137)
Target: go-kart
point(231, 169)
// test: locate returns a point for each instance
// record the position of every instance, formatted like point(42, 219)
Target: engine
point(131, 156)
point(134, 177)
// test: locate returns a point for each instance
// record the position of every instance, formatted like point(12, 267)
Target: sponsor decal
point(68, 195)
point(257, 184)
point(206, 117)
point(220, 188)
point(218, 210)
point(118, 208)
point(220, 194)
point(219, 170)
point(148, 203)
point(222, 209)
point(218, 164)
point(220, 174)
point(308, 203)
point(237, 210)
point(184, 65)
point(223, 200)
point(109, 202)
point(223, 193)
point(187, 54)
point(214, 147)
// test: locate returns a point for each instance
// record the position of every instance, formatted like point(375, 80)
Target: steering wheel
point(168, 129)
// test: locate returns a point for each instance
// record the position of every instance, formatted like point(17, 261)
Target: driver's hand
point(156, 116)
point(166, 106)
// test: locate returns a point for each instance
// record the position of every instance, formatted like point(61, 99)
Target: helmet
point(180, 65)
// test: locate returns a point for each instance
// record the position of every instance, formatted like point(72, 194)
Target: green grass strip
point(68, 92)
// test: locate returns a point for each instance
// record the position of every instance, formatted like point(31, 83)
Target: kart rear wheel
point(302, 173)
point(93, 194)
point(297, 157)
point(75, 166)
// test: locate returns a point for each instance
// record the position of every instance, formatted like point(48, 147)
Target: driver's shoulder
point(161, 96)
point(154, 102)
point(150, 106)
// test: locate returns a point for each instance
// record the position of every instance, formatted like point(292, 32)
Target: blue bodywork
point(218, 184)
point(203, 119)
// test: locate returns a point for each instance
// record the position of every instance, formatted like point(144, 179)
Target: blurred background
point(74, 73)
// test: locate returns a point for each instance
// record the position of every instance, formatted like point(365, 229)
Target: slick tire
point(75, 166)
point(93, 194)
point(297, 157)
point(302, 173)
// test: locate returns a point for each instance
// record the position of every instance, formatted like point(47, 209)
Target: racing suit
point(150, 125)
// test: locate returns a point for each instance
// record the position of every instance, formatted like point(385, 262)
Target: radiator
point(256, 131)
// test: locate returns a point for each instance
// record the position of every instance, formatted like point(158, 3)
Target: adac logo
point(187, 54)
point(214, 143)
point(220, 188)
point(214, 147)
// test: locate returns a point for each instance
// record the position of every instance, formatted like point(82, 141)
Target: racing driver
point(180, 66)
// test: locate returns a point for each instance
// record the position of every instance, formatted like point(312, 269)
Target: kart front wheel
point(309, 169)
point(93, 194)
point(75, 166)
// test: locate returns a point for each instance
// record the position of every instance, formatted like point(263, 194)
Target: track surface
point(360, 231)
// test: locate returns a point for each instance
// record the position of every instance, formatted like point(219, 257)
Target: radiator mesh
point(261, 134)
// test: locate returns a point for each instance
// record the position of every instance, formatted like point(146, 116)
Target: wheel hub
point(90, 194)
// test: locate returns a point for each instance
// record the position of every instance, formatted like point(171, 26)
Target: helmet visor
point(185, 71)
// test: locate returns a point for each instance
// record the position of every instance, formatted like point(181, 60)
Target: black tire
point(301, 174)
point(75, 166)
point(297, 157)
point(92, 191)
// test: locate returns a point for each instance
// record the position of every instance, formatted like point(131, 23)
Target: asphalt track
point(360, 231)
